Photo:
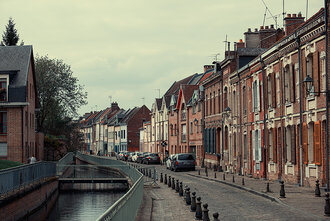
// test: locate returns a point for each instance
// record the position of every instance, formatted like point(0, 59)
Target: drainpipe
point(300, 112)
point(240, 124)
point(201, 89)
point(327, 90)
point(222, 122)
point(22, 136)
point(264, 113)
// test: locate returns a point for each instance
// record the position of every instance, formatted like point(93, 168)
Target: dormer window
point(3, 89)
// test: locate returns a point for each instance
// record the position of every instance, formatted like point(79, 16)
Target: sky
point(132, 51)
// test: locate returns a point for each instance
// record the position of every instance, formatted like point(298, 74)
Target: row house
point(265, 110)
point(18, 103)
point(146, 137)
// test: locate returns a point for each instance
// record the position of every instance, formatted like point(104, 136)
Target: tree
point(10, 36)
point(60, 95)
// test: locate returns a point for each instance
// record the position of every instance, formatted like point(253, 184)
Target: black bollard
point(243, 183)
point(282, 191)
point(165, 179)
point(169, 181)
point(206, 171)
point(233, 179)
point(317, 189)
point(188, 199)
point(327, 205)
point(173, 183)
point(216, 217)
point(185, 192)
point(161, 177)
point(199, 172)
point(215, 175)
point(180, 190)
point(267, 188)
point(193, 202)
point(205, 212)
point(224, 176)
point(214, 168)
point(177, 187)
point(149, 172)
point(198, 213)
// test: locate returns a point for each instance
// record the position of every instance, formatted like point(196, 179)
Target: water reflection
point(82, 206)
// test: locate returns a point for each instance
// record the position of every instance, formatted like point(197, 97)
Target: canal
point(79, 205)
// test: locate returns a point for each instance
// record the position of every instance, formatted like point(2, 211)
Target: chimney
point(251, 38)
point(240, 44)
point(268, 36)
point(291, 23)
point(208, 67)
point(114, 106)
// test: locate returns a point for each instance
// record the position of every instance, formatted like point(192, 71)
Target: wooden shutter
point(292, 83)
point(259, 146)
point(265, 84)
point(258, 95)
point(274, 145)
point(316, 72)
point(285, 147)
point(317, 143)
point(254, 145)
point(267, 144)
point(303, 73)
point(279, 141)
point(273, 90)
point(305, 144)
point(293, 144)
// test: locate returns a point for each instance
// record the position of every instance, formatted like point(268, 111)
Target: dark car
point(141, 157)
point(183, 161)
point(151, 158)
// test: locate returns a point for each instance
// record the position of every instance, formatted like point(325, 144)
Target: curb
point(271, 198)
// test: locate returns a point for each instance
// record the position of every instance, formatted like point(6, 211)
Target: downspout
point(177, 131)
point(264, 113)
point(240, 124)
point(22, 137)
point(222, 122)
point(201, 89)
point(300, 113)
point(327, 90)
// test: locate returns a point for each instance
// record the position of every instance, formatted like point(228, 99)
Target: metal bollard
point(193, 202)
point(206, 171)
point(205, 212)
point(282, 191)
point(198, 213)
point(215, 175)
point(177, 187)
point(199, 172)
point(188, 199)
point(173, 183)
point(150, 173)
point(185, 192)
point(267, 188)
point(180, 190)
point(216, 217)
point(224, 176)
point(161, 177)
point(169, 181)
point(233, 179)
point(243, 183)
point(317, 189)
point(327, 205)
point(214, 168)
point(165, 179)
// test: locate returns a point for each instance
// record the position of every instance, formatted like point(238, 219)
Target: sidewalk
point(299, 198)
point(162, 203)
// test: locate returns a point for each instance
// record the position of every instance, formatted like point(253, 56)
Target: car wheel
point(175, 169)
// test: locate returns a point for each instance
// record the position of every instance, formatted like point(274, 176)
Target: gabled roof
point(16, 60)
point(174, 89)
point(206, 75)
point(186, 92)
point(159, 103)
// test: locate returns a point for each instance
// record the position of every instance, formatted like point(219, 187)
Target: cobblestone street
point(233, 203)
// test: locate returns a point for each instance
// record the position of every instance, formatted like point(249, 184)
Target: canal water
point(82, 206)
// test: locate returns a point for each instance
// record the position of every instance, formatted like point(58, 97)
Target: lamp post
point(201, 98)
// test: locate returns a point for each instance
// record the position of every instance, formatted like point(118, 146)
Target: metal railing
point(17, 177)
point(66, 160)
point(127, 206)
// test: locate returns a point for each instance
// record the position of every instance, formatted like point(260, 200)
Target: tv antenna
point(267, 9)
point(225, 41)
point(110, 98)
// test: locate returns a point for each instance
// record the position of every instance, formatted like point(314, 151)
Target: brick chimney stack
point(240, 44)
point(114, 106)
point(208, 67)
point(291, 23)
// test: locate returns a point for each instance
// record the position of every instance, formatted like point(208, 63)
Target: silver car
point(183, 161)
point(169, 161)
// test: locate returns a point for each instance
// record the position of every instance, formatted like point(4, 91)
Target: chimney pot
point(289, 16)
point(249, 29)
point(266, 27)
point(261, 27)
point(255, 30)
point(294, 15)
point(240, 41)
point(299, 14)
point(272, 26)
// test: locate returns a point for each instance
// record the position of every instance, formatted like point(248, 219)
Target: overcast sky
point(128, 49)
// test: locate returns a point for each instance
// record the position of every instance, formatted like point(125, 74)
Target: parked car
point(183, 161)
point(129, 156)
point(135, 156)
point(169, 161)
point(125, 155)
point(141, 157)
point(151, 158)
point(119, 155)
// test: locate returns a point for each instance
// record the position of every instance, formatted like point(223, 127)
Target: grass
point(4, 164)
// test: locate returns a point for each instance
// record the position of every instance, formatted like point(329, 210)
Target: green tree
point(10, 36)
point(60, 95)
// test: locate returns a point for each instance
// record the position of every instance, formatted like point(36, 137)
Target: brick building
point(18, 102)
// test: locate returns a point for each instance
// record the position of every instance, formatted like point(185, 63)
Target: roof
point(174, 89)
point(159, 103)
point(250, 51)
point(206, 75)
point(16, 60)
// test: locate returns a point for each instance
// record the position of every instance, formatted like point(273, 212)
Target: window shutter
point(254, 145)
point(285, 147)
point(303, 73)
point(292, 83)
point(258, 95)
point(317, 143)
point(267, 144)
point(274, 145)
point(253, 96)
point(305, 144)
point(293, 145)
point(259, 146)
point(279, 137)
point(316, 72)
point(273, 90)
point(265, 84)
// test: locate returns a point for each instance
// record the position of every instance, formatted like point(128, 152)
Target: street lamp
point(308, 81)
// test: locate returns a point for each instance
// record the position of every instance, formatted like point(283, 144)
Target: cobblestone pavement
point(233, 203)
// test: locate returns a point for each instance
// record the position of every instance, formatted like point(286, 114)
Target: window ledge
point(288, 104)
point(311, 98)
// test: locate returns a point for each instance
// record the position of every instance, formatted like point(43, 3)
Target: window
point(244, 101)
point(219, 111)
point(3, 122)
point(194, 108)
point(269, 90)
point(225, 100)
point(183, 133)
point(245, 147)
point(213, 102)
point(171, 126)
point(199, 106)
point(175, 131)
point(210, 103)
point(270, 143)
point(3, 149)
point(256, 96)
point(257, 146)
point(286, 73)
point(183, 112)
point(309, 71)
point(234, 103)
point(310, 143)
point(322, 63)
point(3, 89)
point(191, 128)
